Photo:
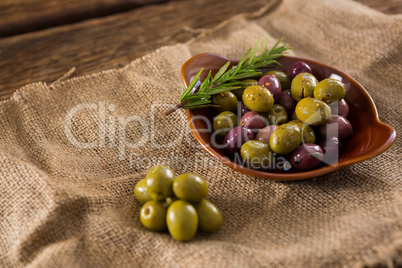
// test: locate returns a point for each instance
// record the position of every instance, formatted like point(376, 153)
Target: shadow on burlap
point(71, 153)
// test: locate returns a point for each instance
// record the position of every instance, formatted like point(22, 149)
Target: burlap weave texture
point(71, 153)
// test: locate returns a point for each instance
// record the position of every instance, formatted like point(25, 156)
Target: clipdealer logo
point(112, 128)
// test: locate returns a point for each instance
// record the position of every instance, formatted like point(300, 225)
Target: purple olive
point(299, 67)
point(264, 134)
point(271, 82)
point(236, 137)
point(331, 147)
point(242, 109)
point(287, 101)
point(307, 156)
point(340, 108)
point(337, 126)
point(253, 120)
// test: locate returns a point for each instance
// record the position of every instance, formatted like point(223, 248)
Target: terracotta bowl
point(371, 137)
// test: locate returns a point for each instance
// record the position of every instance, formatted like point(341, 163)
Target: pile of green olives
point(176, 204)
point(291, 116)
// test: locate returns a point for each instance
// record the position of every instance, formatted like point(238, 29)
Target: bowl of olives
point(301, 120)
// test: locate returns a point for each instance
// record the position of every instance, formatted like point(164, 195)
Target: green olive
point(256, 155)
point(141, 191)
point(285, 139)
point(313, 111)
point(224, 122)
point(303, 86)
point(190, 187)
point(283, 78)
point(307, 132)
point(225, 101)
point(153, 215)
point(277, 115)
point(257, 98)
point(248, 82)
point(182, 220)
point(159, 182)
point(330, 90)
point(209, 217)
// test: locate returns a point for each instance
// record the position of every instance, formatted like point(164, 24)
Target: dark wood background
point(42, 40)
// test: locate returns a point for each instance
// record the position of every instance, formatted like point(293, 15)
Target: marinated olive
point(253, 121)
point(248, 82)
point(299, 67)
point(264, 134)
point(153, 215)
point(337, 126)
point(313, 111)
point(283, 78)
point(225, 101)
point(182, 220)
point(159, 182)
point(209, 217)
point(257, 98)
point(277, 115)
point(307, 156)
point(285, 139)
point(303, 86)
point(331, 147)
point(271, 82)
point(307, 132)
point(287, 101)
point(141, 191)
point(340, 108)
point(224, 122)
point(242, 109)
point(256, 154)
point(190, 187)
point(236, 137)
point(329, 90)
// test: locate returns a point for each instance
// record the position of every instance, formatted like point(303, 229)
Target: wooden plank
point(105, 43)
point(108, 42)
point(31, 15)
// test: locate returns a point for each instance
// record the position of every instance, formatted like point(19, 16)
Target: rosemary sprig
point(198, 94)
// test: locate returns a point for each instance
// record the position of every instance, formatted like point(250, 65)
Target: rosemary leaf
point(205, 83)
point(247, 75)
point(197, 104)
point(252, 57)
point(221, 72)
point(241, 62)
point(221, 90)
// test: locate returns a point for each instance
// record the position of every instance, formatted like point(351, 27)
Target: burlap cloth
point(71, 153)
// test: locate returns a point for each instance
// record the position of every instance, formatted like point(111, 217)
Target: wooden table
point(42, 40)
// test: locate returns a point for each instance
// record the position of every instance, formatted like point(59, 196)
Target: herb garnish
point(226, 80)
